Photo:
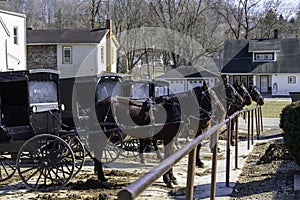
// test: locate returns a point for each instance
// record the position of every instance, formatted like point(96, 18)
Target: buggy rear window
point(108, 88)
point(42, 92)
point(140, 91)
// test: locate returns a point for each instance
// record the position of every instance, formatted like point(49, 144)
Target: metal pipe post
point(248, 130)
point(258, 121)
point(214, 168)
point(190, 175)
point(261, 119)
point(256, 124)
point(252, 127)
point(228, 152)
point(236, 141)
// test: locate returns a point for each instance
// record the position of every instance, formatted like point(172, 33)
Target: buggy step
point(19, 132)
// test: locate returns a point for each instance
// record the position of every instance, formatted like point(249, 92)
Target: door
point(264, 80)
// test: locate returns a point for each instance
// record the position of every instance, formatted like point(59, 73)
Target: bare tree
point(95, 7)
point(267, 25)
point(242, 16)
point(188, 17)
point(129, 15)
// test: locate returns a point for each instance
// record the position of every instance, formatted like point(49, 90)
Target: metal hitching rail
point(133, 190)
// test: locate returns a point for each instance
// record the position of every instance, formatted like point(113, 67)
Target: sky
point(289, 5)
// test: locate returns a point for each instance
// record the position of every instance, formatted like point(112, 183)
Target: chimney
point(276, 33)
point(108, 45)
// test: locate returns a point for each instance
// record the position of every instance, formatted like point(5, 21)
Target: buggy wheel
point(78, 151)
point(7, 166)
point(113, 148)
point(45, 162)
point(131, 147)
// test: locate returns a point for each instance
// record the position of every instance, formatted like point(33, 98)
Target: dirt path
point(259, 172)
point(121, 173)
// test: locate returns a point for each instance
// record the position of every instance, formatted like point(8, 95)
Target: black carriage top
point(141, 89)
point(29, 102)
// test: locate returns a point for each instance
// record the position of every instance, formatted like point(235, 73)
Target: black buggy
point(80, 95)
point(31, 139)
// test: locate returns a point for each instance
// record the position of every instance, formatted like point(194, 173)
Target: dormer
point(264, 50)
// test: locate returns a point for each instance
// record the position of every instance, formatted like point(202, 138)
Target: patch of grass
point(272, 109)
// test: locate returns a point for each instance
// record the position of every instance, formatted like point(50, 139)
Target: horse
point(159, 118)
point(201, 121)
point(242, 90)
point(233, 100)
point(256, 95)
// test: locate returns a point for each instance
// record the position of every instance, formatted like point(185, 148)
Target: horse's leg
point(158, 154)
point(96, 141)
point(168, 177)
point(141, 150)
point(199, 163)
point(172, 177)
point(99, 170)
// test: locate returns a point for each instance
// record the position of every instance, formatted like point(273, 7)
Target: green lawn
point(272, 109)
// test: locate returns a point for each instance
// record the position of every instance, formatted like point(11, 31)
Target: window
point(250, 80)
point(263, 57)
point(244, 80)
point(102, 54)
point(291, 79)
point(67, 55)
point(15, 35)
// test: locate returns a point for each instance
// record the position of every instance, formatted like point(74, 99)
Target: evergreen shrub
point(290, 124)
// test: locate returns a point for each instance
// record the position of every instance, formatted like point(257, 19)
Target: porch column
point(254, 80)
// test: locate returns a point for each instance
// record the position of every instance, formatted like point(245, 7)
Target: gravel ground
point(267, 174)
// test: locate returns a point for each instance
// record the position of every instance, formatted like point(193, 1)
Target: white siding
point(191, 83)
point(177, 86)
point(283, 87)
point(16, 53)
point(84, 61)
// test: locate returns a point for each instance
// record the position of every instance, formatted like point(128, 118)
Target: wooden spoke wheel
point(113, 149)
point(45, 162)
point(78, 150)
point(131, 147)
point(7, 166)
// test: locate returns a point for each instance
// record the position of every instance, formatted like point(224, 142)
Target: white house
point(12, 41)
point(185, 78)
point(74, 52)
point(273, 65)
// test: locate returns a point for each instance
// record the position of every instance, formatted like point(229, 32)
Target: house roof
point(13, 13)
point(188, 72)
point(264, 45)
point(4, 27)
point(238, 56)
point(56, 36)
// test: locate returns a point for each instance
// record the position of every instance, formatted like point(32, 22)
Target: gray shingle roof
point(188, 72)
point(264, 45)
point(55, 36)
point(238, 56)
